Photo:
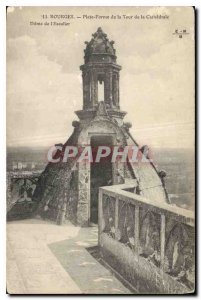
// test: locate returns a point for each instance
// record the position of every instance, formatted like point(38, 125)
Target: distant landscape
point(178, 164)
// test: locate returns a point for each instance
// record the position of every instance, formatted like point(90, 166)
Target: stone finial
point(127, 125)
point(75, 123)
point(59, 145)
point(162, 173)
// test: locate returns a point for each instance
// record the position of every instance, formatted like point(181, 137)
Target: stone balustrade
point(20, 189)
point(151, 245)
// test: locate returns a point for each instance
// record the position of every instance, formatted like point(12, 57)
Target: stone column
point(95, 89)
point(93, 85)
point(86, 89)
point(116, 90)
point(108, 89)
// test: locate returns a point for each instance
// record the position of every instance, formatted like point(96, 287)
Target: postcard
point(100, 150)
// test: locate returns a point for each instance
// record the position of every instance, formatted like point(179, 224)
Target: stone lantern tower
point(100, 71)
point(69, 190)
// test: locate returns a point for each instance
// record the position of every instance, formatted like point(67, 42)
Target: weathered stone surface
point(145, 277)
point(67, 185)
point(83, 214)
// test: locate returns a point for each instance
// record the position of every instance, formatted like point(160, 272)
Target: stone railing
point(151, 245)
point(20, 189)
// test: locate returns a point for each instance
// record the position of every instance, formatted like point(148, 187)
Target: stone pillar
point(108, 89)
point(91, 88)
point(95, 89)
point(83, 194)
point(100, 215)
point(137, 229)
point(86, 89)
point(93, 85)
point(118, 172)
point(116, 89)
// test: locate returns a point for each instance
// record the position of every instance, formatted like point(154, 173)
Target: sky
point(44, 83)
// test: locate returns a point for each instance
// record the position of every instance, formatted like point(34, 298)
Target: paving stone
point(44, 258)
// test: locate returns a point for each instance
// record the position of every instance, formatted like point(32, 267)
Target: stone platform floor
point(44, 258)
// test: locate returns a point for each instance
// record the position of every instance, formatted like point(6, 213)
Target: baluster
point(137, 228)
point(100, 214)
point(116, 217)
point(162, 241)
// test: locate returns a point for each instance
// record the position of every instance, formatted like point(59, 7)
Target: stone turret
point(100, 68)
